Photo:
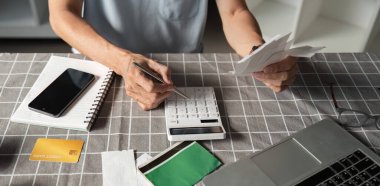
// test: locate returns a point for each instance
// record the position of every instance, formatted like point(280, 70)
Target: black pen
point(151, 74)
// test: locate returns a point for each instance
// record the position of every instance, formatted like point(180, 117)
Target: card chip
point(73, 152)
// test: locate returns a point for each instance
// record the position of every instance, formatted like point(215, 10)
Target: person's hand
point(279, 75)
point(145, 91)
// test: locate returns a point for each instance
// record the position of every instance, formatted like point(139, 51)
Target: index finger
point(281, 66)
point(161, 69)
point(148, 84)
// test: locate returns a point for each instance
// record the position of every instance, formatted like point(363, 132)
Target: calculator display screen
point(195, 130)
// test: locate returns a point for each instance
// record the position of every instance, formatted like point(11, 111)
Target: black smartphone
point(63, 91)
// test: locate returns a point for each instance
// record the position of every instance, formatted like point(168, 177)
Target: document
point(141, 180)
point(119, 168)
point(273, 51)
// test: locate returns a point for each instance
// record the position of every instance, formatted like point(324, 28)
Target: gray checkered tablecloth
point(253, 115)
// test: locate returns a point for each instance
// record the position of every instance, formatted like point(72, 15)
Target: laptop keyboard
point(354, 169)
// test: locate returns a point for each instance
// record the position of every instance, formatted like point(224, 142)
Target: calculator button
point(193, 116)
point(201, 103)
point(210, 103)
point(202, 115)
point(182, 116)
point(199, 96)
point(190, 103)
point(171, 110)
point(192, 110)
point(181, 110)
point(202, 110)
point(191, 96)
point(212, 110)
point(181, 103)
point(214, 115)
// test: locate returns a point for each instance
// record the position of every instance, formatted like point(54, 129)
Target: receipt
point(275, 50)
point(141, 180)
point(119, 168)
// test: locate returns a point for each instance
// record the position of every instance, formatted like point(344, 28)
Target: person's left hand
point(279, 75)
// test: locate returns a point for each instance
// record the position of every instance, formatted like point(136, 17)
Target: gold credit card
point(57, 150)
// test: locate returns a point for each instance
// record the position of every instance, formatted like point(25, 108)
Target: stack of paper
point(275, 50)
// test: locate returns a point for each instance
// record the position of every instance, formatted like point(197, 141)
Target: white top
point(144, 26)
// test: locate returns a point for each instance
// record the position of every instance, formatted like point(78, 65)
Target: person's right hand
point(148, 93)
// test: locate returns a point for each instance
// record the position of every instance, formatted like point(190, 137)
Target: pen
point(146, 71)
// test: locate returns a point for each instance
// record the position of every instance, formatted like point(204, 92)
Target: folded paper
point(119, 168)
point(275, 50)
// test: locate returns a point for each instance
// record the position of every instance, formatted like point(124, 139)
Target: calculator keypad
point(202, 104)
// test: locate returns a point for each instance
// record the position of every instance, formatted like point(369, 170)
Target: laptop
point(322, 154)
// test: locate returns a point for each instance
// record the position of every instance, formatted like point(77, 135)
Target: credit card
point(57, 150)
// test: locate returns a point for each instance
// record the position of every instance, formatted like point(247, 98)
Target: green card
point(186, 164)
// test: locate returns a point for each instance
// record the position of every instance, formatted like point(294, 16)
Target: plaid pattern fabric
point(254, 116)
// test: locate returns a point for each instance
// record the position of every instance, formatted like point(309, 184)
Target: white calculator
point(197, 118)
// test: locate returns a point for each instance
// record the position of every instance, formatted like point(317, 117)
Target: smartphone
point(62, 92)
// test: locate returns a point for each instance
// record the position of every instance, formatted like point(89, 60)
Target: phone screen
point(58, 96)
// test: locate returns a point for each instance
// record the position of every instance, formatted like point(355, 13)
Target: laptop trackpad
point(286, 161)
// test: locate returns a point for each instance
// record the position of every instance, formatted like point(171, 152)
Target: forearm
point(80, 35)
point(242, 31)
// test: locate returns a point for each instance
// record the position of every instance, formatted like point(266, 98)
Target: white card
point(141, 180)
point(119, 168)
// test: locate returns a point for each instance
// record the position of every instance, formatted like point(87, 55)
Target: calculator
point(197, 118)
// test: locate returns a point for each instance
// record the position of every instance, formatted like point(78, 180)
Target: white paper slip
point(141, 180)
point(119, 168)
point(273, 51)
point(143, 159)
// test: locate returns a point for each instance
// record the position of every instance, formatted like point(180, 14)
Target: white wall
point(355, 12)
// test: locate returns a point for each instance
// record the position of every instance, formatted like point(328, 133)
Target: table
point(254, 116)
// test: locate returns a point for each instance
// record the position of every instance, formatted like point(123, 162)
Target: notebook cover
point(186, 167)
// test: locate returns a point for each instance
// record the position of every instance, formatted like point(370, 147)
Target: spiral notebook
point(83, 112)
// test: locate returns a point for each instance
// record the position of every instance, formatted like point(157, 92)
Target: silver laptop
point(322, 154)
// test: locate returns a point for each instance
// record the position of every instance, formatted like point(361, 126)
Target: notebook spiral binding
point(91, 116)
